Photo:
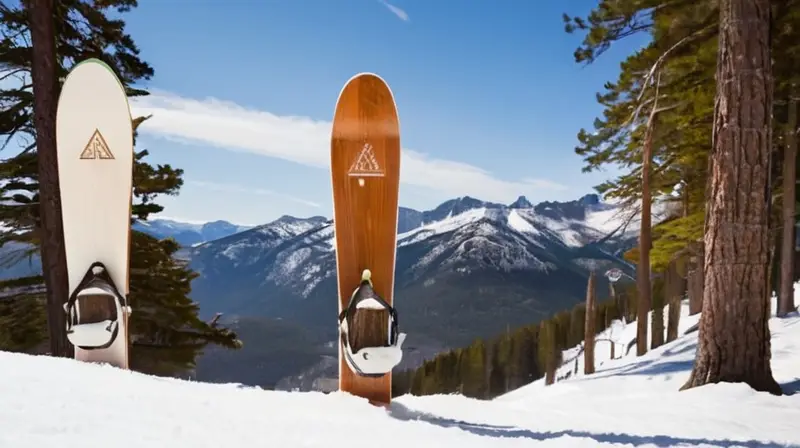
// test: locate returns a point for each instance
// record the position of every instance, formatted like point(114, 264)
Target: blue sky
point(488, 94)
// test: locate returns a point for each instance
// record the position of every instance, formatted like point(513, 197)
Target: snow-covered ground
point(630, 401)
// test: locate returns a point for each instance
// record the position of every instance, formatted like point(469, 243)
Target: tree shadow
point(401, 412)
point(653, 366)
point(677, 350)
point(662, 368)
point(792, 387)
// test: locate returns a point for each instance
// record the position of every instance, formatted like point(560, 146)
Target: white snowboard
point(95, 164)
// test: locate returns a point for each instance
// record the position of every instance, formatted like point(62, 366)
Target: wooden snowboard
point(365, 172)
point(95, 165)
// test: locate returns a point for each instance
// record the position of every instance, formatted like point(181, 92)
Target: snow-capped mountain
point(188, 234)
point(465, 269)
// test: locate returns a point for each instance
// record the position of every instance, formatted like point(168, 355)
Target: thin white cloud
point(306, 141)
point(239, 189)
point(402, 15)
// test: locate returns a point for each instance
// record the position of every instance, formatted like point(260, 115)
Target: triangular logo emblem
point(366, 164)
point(97, 148)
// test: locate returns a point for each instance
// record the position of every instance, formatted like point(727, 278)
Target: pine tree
point(786, 36)
point(590, 328)
point(473, 370)
point(549, 355)
point(674, 286)
point(166, 333)
point(734, 341)
point(662, 82)
point(657, 320)
point(44, 84)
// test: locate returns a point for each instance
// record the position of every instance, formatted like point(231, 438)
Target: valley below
point(467, 269)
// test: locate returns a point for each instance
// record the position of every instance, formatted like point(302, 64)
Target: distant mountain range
point(465, 269)
point(187, 234)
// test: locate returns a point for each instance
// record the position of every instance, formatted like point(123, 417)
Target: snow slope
point(629, 402)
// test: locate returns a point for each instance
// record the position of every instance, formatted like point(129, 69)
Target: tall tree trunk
point(657, 320)
point(696, 284)
point(589, 328)
point(676, 283)
point(619, 302)
point(677, 279)
point(44, 74)
point(734, 339)
point(645, 241)
point(547, 351)
point(676, 286)
point(786, 295)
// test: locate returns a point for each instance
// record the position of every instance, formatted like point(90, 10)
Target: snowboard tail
point(365, 172)
point(94, 136)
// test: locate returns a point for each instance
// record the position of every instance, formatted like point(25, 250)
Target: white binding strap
point(370, 304)
point(375, 360)
point(95, 291)
point(92, 335)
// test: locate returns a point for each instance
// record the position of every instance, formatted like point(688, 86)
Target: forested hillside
point(658, 125)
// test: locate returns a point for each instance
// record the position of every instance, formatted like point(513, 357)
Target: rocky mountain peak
point(521, 202)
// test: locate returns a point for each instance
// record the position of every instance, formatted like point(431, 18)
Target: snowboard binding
point(94, 310)
point(374, 361)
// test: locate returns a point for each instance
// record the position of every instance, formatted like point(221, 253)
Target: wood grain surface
point(365, 174)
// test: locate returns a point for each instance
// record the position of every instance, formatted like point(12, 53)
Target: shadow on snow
point(403, 413)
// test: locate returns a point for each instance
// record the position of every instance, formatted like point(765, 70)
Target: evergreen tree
point(734, 340)
point(473, 368)
point(166, 332)
point(674, 286)
point(786, 36)
point(663, 82)
point(681, 60)
point(548, 350)
point(590, 326)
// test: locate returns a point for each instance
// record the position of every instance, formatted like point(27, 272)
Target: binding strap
point(95, 280)
point(368, 359)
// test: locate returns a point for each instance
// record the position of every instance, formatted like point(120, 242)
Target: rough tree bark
point(589, 328)
point(786, 295)
point(676, 282)
point(695, 285)
point(734, 339)
point(657, 321)
point(44, 76)
point(674, 288)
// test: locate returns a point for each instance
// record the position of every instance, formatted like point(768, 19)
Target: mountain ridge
point(186, 233)
point(464, 269)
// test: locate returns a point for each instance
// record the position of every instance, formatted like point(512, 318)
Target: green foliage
point(680, 64)
point(167, 335)
point(488, 368)
point(672, 80)
point(23, 324)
